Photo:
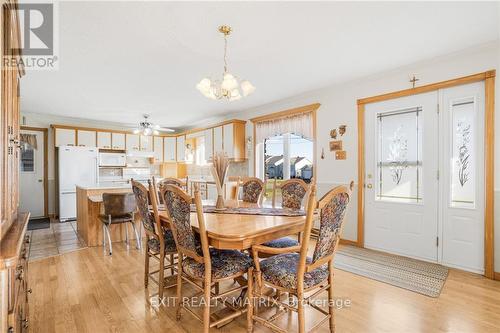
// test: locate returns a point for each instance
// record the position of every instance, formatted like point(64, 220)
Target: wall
point(44, 121)
point(338, 106)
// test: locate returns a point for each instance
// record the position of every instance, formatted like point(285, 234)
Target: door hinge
point(438, 108)
point(437, 241)
point(437, 175)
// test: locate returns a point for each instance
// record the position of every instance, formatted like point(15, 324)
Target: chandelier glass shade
point(229, 87)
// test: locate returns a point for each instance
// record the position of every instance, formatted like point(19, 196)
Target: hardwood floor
point(86, 291)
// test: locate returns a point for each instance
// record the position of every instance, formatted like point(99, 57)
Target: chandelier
point(229, 88)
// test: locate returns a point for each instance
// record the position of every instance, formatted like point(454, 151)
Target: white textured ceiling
point(119, 60)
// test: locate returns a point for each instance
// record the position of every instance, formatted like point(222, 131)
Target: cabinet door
point(132, 142)
point(146, 143)
point(118, 141)
point(104, 140)
point(169, 145)
point(65, 137)
point(181, 149)
point(218, 139)
point(86, 138)
point(209, 149)
point(158, 148)
point(228, 134)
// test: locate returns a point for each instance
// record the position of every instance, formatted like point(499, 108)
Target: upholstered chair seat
point(282, 242)
point(116, 219)
point(225, 263)
point(281, 270)
point(154, 244)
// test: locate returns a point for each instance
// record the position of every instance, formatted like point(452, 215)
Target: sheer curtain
point(301, 124)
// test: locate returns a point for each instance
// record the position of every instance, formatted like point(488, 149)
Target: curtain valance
point(300, 124)
point(29, 139)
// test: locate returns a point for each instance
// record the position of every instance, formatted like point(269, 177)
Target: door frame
point(45, 165)
point(489, 138)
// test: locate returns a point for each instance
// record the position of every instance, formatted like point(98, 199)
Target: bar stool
point(119, 208)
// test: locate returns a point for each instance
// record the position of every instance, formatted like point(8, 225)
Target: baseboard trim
point(348, 242)
point(496, 276)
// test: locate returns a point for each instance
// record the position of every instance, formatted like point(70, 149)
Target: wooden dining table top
point(241, 231)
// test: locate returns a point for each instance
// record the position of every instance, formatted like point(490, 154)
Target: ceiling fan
point(148, 128)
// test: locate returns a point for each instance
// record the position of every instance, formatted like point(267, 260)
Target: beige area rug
point(411, 274)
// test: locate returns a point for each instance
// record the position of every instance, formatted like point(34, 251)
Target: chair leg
point(179, 287)
point(300, 306)
point(161, 274)
point(137, 239)
point(331, 307)
point(146, 267)
point(250, 300)
point(103, 239)
point(206, 309)
point(109, 239)
point(126, 233)
point(172, 264)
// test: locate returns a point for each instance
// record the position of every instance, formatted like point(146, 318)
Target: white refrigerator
point(76, 166)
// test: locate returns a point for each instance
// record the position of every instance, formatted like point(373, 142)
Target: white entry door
point(463, 180)
point(31, 176)
point(401, 159)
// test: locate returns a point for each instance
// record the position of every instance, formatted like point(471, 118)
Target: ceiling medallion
point(229, 88)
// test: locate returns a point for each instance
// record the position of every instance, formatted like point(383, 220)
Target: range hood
point(138, 153)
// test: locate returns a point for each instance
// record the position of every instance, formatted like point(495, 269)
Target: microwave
point(112, 159)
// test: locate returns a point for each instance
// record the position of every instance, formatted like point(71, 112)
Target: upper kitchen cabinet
point(146, 143)
point(86, 138)
point(104, 140)
point(209, 144)
point(181, 148)
point(158, 149)
point(132, 142)
point(234, 139)
point(65, 137)
point(118, 141)
point(217, 140)
point(169, 146)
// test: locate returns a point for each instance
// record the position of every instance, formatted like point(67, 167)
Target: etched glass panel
point(27, 158)
point(463, 168)
point(399, 163)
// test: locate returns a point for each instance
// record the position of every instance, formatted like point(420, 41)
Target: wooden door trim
point(45, 165)
point(489, 154)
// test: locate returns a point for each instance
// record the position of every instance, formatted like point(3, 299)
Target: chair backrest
point(171, 181)
point(332, 209)
point(178, 207)
point(292, 193)
point(141, 197)
point(252, 189)
point(118, 204)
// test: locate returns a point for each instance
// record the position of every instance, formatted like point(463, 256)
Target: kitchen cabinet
point(118, 141)
point(234, 140)
point(228, 144)
point(181, 148)
point(158, 149)
point(86, 138)
point(104, 140)
point(146, 143)
point(169, 147)
point(65, 137)
point(132, 142)
point(209, 144)
point(217, 137)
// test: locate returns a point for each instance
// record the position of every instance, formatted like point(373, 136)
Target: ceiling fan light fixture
point(247, 88)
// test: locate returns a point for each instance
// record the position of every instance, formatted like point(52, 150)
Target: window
point(27, 158)
point(200, 151)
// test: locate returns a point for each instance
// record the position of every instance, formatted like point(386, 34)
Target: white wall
point(44, 121)
point(338, 106)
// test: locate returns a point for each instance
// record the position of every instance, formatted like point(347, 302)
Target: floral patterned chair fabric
point(252, 190)
point(292, 194)
point(281, 270)
point(141, 198)
point(154, 244)
point(225, 263)
point(282, 242)
point(331, 219)
point(180, 211)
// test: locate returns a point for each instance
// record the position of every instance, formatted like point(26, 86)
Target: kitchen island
point(89, 206)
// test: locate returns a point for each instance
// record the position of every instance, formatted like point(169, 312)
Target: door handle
point(40, 180)
point(369, 186)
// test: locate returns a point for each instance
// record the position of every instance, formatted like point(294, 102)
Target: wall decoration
point(322, 153)
point(340, 155)
point(333, 133)
point(342, 129)
point(335, 145)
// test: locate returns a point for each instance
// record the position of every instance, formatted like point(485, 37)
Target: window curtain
point(301, 124)
point(29, 139)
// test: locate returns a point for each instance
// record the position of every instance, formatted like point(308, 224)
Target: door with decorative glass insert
point(462, 184)
point(401, 159)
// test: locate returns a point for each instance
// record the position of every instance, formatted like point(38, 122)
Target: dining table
point(242, 224)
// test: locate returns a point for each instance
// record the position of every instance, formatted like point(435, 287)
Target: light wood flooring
point(87, 291)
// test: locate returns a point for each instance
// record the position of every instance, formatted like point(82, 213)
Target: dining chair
point(119, 208)
point(160, 241)
point(198, 264)
point(252, 189)
point(291, 270)
point(169, 180)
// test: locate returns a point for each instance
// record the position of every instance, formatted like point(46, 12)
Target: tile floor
point(59, 238)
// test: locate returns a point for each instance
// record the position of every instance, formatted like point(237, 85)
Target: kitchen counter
point(104, 186)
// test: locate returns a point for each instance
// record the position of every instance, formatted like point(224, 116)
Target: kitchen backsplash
point(235, 169)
